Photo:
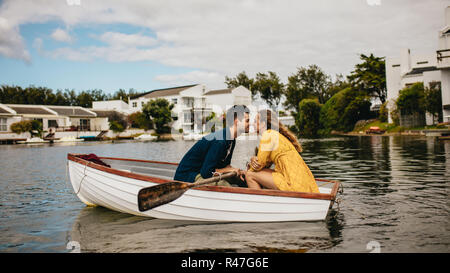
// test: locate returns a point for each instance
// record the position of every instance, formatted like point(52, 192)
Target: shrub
point(34, 127)
point(344, 109)
point(384, 112)
point(21, 127)
point(308, 118)
point(116, 127)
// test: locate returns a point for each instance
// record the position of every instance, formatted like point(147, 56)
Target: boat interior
point(166, 171)
point(155, 169)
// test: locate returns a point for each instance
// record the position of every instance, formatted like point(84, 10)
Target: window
point(3, 125)
point(395, 65)
point(424, 62)
point(187, 117)
point(52, 123)
point(174, 101)
point(85, 124)
point(134, 104)
point(142, 103)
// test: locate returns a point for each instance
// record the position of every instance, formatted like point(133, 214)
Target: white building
point(222, 99)
point(443, 64)
point(408, 69)
point(193, 103)
point(112, 105)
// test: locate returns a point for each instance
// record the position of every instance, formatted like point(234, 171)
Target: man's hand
point(229, 169)
point(242, 175)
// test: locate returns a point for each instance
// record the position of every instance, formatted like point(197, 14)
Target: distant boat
point(145, 137)
point(116, 187)
point(33, 140)
point(69, 139)
point(193, 136)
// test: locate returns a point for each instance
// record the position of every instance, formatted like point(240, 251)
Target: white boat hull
point(95, 187)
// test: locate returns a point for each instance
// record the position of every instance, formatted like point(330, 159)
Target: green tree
point(308, 119)
point(433, 101)
point(340, 83)
point(139, 120)
point(84, 99)
point(343, 110)
point(159, 111)
point(306, 83)
point(370, 76)
point(411, 99)
point(270, 88)
point(240, 79)
point(70, 97)
point(121, 94)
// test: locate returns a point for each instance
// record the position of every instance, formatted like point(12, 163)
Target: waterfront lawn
point(392, 128)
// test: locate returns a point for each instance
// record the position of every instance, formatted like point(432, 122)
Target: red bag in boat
point(94, 158)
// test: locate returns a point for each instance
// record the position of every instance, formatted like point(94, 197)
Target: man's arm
point(215, 152)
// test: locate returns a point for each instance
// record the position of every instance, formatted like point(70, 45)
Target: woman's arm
point(263, 157)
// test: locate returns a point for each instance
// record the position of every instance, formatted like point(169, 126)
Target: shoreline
point(427, 133)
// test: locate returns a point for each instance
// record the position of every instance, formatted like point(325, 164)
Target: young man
point(213, 152)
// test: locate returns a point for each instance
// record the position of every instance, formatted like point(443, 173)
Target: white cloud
point(127, 40)
point(209, 78)
point(61, 36)
point(11, 43)
point(228, 37)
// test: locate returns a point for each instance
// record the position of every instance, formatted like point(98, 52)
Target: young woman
point(279, 146)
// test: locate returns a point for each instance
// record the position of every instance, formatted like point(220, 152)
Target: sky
point(151, 44)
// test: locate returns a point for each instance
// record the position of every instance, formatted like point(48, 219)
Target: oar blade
point(161, 194)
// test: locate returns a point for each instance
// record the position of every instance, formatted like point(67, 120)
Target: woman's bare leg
point(261, 179)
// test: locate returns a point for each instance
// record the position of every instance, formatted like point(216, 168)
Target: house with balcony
point(190, 109)
point(407, 69)
point(193, 103)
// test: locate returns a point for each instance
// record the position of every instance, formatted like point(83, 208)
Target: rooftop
point(164, 92)
point(420, 70)
point(219, 91)
point(30, 109)
point(71, 111)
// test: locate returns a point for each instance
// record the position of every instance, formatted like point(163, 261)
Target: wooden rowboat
point(117, 187)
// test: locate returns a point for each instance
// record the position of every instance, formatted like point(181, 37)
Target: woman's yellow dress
point(291, 172)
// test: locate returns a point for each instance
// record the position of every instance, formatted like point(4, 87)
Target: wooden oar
point(152, 197)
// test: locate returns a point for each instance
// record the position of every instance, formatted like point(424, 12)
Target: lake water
point(396, 199)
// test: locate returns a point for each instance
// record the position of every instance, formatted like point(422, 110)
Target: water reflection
point(102, 230)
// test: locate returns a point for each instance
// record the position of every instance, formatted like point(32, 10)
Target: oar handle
point(213, 179)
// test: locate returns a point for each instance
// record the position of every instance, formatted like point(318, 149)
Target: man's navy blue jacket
point(212, 152)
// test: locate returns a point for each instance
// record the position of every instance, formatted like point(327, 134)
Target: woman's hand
point(254, 163)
